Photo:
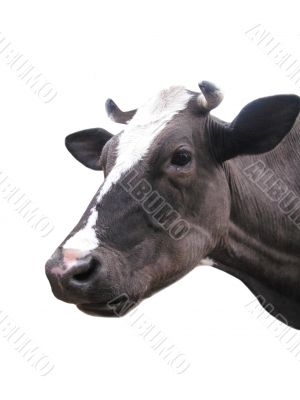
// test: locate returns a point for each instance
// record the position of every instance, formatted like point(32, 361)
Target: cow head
point(165, 201)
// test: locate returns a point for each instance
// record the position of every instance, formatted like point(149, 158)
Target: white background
point(91, 50)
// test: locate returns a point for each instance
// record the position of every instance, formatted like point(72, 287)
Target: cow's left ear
point(86, 146)
point(258, 128)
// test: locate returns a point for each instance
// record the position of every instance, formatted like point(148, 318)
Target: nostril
point(86, 270)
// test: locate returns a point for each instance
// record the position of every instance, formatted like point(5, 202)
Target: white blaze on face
point(85, 239)
point(134, 143)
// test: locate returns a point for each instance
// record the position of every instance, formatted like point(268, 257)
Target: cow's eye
point(181, 158)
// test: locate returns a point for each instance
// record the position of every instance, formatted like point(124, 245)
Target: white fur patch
point(207, 261)
point(85, 239)
point(134, 143)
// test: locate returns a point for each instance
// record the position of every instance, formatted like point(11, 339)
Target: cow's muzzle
point(81, 278)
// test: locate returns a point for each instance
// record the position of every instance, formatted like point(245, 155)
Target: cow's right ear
point(86, 146)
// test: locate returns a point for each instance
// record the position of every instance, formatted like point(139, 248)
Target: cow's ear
point(86, 146)
point(258, 128)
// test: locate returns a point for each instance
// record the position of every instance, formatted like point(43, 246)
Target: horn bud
point(210, 97)
point(117, 115)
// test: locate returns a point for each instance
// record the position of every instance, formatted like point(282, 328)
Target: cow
point(183, 188)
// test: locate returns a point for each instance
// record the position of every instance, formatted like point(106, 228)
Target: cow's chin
point(114, 308)
point(97, 310)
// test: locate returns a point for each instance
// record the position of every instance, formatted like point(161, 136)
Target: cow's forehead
point(148, 122)
point(133, 145)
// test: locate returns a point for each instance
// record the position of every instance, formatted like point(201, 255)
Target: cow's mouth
point(97, 310)
point(111, 309)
